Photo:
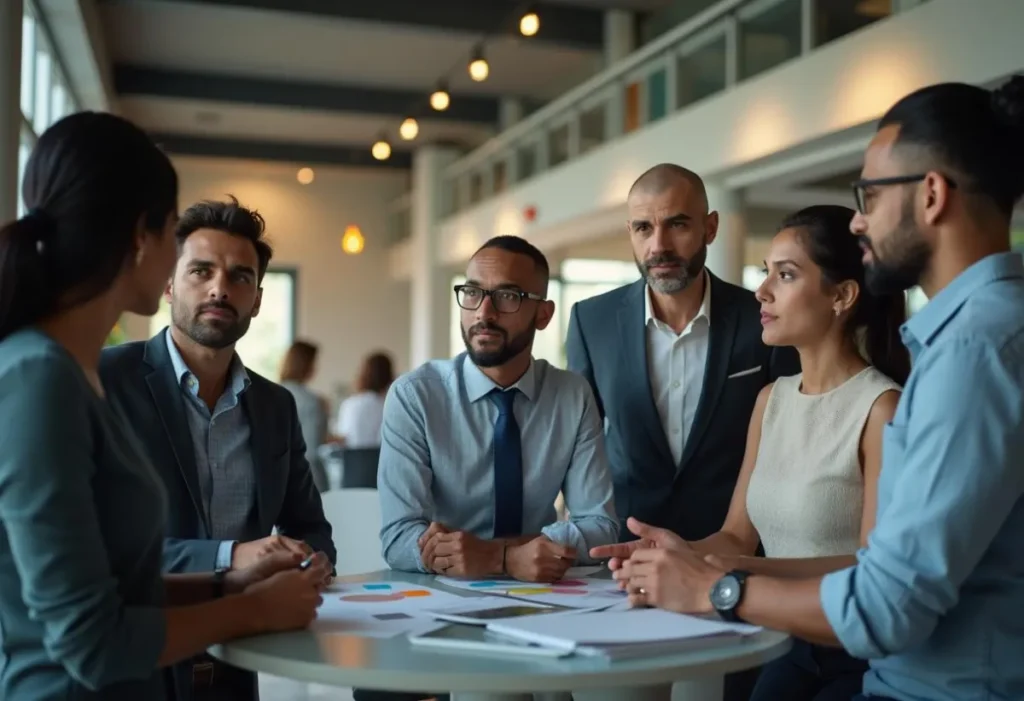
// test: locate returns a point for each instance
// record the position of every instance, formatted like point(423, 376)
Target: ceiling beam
point(300, 154)
point(580, 27)
point(159, 82)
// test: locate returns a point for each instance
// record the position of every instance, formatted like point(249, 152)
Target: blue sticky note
point(377, 587)
point(482, 585)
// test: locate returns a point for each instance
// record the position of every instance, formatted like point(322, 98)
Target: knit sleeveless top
point(806, 493)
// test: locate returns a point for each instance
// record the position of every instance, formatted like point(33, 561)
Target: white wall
point(837, 88)
point(347, 304)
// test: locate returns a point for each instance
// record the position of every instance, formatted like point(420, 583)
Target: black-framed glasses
point(505, 300)
point(859, 186)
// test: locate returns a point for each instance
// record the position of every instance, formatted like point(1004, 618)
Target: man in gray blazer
point(676, 363)
point(225, 441)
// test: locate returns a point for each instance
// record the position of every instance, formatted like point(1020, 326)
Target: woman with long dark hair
point(84, 608)
point(807, 488)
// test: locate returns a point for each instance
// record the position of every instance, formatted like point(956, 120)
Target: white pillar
point(619, 35)
point(726, 254)
point(510, 111)
point(431, 296)
point(10, 107)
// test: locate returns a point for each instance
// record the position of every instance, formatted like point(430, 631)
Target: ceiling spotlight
point(305, 175)
point(529, 24)
point(352, 240)
point(381, 149)
point(478, 68)
point(440, 99)
point(409, 129)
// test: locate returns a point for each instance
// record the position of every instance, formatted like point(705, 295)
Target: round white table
point(393, 664)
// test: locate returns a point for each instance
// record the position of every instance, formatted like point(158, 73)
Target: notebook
point(624, 634)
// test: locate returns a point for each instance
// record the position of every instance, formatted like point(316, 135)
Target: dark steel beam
point(301, 154)
point(580, 27)
point(139, 80)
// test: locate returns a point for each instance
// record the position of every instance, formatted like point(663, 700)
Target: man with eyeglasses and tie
point(475, 449)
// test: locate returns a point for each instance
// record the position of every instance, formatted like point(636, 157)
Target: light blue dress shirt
point(936, 600)
point(437, 458)
point(221, 444)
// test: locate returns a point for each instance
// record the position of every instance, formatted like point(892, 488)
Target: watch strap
point(219, 575)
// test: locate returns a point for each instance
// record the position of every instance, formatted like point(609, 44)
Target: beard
point(210, 332)
point(508, 348)
point(673, 281)
point(901, 257)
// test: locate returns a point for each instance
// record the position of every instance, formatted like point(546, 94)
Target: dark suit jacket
point(140, 383)
point(607, 344)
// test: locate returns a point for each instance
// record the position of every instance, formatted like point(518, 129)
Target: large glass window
point(271, 331)
point(769, 35)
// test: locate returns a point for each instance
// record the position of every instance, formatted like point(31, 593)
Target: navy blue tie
point(508, 468)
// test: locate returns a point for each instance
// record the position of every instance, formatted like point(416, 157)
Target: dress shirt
point(936, 599)
point(220, 441)
point(676, 363)
point(359, 420)
point(437, 458)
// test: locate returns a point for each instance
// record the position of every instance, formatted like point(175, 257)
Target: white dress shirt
point(359, 420)
point(675, 364)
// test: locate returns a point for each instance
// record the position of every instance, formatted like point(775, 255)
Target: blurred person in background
point(86, 611)
point(297, 369)
point(360, 415)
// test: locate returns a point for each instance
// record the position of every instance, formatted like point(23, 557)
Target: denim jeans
point(811, 673)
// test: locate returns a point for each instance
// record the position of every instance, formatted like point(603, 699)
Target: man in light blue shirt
point(476, 449)
point(936, 599)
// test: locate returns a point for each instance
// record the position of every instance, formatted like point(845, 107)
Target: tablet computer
point(474, 639)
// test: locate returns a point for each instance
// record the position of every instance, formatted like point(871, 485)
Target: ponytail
point(881, 319)
point(25, 296)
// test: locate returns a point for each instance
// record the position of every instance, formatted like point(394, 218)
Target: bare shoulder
point(884, 407)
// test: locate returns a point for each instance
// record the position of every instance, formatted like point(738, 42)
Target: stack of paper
point(623, 634)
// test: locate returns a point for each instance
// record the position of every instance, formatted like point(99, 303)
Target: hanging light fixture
point(440, 99)
point(381, 149)
point(305, 176)
point(352, 241)
point(478, 67)
point(409, 129)
point(529, 24)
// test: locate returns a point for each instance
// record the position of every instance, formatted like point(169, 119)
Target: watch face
point(726, 593)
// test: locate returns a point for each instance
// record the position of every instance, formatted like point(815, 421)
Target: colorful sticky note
point(482, 585)
point(377, 587)
point(416, 592)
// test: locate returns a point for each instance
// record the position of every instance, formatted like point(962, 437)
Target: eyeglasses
point(859, 186)
point(505, 301)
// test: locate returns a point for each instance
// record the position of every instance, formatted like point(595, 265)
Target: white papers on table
point(619, 634)
point(380, 609)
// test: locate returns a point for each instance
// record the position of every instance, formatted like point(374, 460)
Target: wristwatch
point(727, 593)
point(219, 575)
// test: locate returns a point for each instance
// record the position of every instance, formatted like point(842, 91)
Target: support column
point(726, 254)
point(619, 35)
point(10, 107)
point(431, 296)
point(510, 111)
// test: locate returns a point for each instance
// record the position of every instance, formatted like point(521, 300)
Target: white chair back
point(354, 515)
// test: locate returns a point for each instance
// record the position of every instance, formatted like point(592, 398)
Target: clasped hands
point(661, 570)
point(456, 553)
point(257, 560)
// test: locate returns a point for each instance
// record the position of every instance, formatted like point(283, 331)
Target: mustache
point(216, 305)
point(665, 258)
point(486, 326)
point(864, 242)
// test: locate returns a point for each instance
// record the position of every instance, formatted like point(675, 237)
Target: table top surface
point(394, 664)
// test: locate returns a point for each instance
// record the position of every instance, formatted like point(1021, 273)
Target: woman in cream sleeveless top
point(805, 497)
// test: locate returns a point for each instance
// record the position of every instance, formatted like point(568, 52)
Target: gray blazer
point(82, 517)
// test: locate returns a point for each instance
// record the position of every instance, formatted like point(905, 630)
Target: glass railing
point(725, 44)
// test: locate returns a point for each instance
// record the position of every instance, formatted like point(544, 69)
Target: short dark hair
point(515, 244)
point(91, 178)
point(231, 218)
point(376, 373)
point(976, 134)
point(824, 232)
point(297, 365)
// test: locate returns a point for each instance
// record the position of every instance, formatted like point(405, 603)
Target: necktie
point(508, 468)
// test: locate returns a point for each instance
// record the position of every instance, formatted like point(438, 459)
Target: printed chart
point(572, 593)
point(380, 609)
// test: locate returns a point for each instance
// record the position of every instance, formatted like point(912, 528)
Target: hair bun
point(1008, 102)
